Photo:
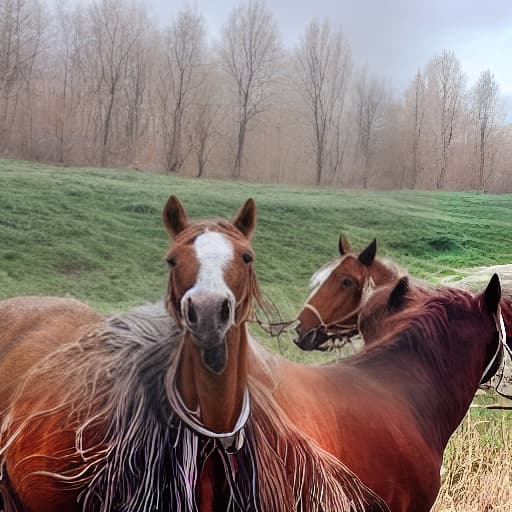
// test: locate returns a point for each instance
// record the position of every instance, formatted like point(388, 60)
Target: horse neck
point(438, 392)
point(218, 398)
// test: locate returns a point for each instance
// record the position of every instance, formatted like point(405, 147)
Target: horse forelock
point(214, 225)
point(382, 270)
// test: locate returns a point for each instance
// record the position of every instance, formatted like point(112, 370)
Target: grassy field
point(97, 235)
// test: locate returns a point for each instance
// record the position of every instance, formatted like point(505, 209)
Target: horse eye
point(247, 257)
point(171, 261)
point(346, 282)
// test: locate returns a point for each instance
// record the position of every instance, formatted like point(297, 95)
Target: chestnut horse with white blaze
point(148, 412)
point(331, 310)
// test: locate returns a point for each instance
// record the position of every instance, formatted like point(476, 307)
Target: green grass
point(96, 234)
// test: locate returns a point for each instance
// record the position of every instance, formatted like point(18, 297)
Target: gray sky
point(393, 37)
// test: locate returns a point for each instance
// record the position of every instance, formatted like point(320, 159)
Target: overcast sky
point(393, 37)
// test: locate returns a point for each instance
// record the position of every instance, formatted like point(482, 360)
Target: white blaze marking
point(214, 251)
point(321, 275)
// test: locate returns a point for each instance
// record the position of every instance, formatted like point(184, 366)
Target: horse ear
point(245, 219)
point(343, 245)
point(368, 255)
point(492, 294)
point(174, 217)
point(398, 297)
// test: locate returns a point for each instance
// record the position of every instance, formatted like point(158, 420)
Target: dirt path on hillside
point(477, 277)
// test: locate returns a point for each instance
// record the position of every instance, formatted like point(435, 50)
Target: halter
point(232, 441)
point(502, 344)
point(337, 329)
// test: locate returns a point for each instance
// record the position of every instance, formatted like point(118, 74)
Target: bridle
point(338, 333)
point(335, 331)
point(502, 346)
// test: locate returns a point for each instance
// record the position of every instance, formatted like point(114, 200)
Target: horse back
point(33, 327)
point(368, 428)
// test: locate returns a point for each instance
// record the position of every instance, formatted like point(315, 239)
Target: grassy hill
point(97, 234)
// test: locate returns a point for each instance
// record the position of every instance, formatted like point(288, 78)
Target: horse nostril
point(225, 311)
point(191, 312)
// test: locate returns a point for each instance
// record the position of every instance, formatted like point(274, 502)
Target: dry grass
point(478, 467)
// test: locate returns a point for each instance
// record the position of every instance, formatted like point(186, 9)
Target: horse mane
point(131, 452)
point(422, 328)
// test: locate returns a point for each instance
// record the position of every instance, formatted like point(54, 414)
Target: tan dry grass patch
point(478, 467)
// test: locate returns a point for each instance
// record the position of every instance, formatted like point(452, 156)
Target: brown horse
point(331, 310)
point(145, 413)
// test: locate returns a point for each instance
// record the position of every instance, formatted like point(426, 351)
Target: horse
point(175, 407)
point(330, 312)
point(369, 439)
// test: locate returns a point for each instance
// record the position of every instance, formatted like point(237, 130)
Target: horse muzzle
point(208, 317)
point(310, 340)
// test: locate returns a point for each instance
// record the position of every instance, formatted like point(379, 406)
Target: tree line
point(104, 84)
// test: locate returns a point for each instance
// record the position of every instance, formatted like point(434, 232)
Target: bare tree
point(370, 98)
point(137, 89)
point(414, 115)
point(486, 117)
point(116, 28)
point(207, 118)
point(22, 26)
point(323, 66)
point(179, 77)
point(446, 84)
point(249, 51)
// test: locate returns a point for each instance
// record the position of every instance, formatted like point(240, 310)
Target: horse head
point(211, 290)
point(332, 308)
